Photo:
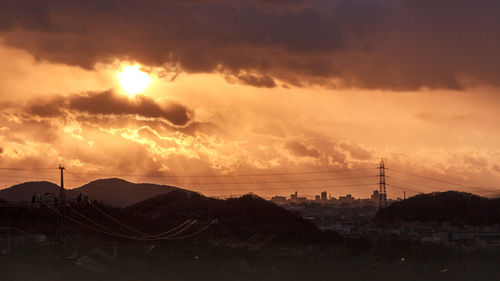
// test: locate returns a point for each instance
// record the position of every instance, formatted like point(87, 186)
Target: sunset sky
point(131, 89)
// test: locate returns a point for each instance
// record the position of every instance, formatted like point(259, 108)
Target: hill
point(456, 207)
point(120, 193)
point(243, 217)
point(24, 191)
point(116, 192)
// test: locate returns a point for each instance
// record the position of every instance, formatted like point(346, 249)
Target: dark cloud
point(262, 81)
point(42, 109)
point(301, 150)
point(109, 103)
point(394, 44)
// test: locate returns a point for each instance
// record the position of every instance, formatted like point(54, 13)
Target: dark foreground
point(92, 258)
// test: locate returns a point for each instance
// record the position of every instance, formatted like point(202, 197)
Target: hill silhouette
point(120, 193)
point(456, 207)
point(244, 216)
point(116, 192)
point(24, 191)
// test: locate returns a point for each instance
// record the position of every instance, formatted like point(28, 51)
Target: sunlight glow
point(133, 80)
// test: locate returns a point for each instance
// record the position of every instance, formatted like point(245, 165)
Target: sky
point(262, 96)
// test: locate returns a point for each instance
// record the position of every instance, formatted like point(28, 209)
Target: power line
point(274, 182)
point(101, 229)
point(37, 170)
point(403, 188)
point(415, 183)
point(444, 181)
point(292, 188)
point(228, 175)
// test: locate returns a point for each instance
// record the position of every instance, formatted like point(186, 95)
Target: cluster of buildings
point(323, 198)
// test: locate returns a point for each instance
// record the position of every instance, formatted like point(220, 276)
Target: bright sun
point(133, 80)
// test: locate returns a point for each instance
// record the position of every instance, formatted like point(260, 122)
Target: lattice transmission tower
point(382, 199)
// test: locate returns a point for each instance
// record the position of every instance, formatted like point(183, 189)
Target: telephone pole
point(62, 208)
point(382, 199)
point(62, 193)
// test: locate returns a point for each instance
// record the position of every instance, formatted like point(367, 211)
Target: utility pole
point(382, 199)
point(62, 208)
point(62, 194)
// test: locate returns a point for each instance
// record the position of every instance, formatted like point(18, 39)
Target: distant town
point(355, 217)
point(325, 198)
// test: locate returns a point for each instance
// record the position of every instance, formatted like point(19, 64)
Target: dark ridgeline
point(244, 216)
point(116, 192)
point(238, 218)
point(458, 208)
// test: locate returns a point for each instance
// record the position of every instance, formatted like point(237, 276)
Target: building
point(347, 199)
point(324, 196)
point(278, 199)
point(375, 196)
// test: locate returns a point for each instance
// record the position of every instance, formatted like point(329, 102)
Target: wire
point(403, 188)
point(273, 182)
point(171, 230)
point(27, 169)
point(194, 233)
point(292, 188)
point(91, 221)
point(245, 243)
point(145, 235)
point(228, 175)
point(137, 238)
point(160, 236)
point(117, 221)
point(420, 184)
point(443, 181)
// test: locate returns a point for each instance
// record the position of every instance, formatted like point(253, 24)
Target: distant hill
point(455, 207)
point(121, 193)
point(116, 192)
point(24, 191)
point(244, 216)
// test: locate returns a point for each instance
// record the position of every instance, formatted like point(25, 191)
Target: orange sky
point(435, 117)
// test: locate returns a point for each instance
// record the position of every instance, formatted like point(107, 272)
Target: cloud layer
point(108, 103)
point(394, 44)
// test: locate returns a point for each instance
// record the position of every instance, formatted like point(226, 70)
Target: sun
point(133, 80)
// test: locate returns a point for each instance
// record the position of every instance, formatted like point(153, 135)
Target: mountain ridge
point(113, 191)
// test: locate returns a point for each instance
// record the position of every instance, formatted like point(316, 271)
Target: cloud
point(109, 103)
point(394, 45)
point(263, 81)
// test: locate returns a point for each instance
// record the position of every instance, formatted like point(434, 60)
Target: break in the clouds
point(394, 44)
